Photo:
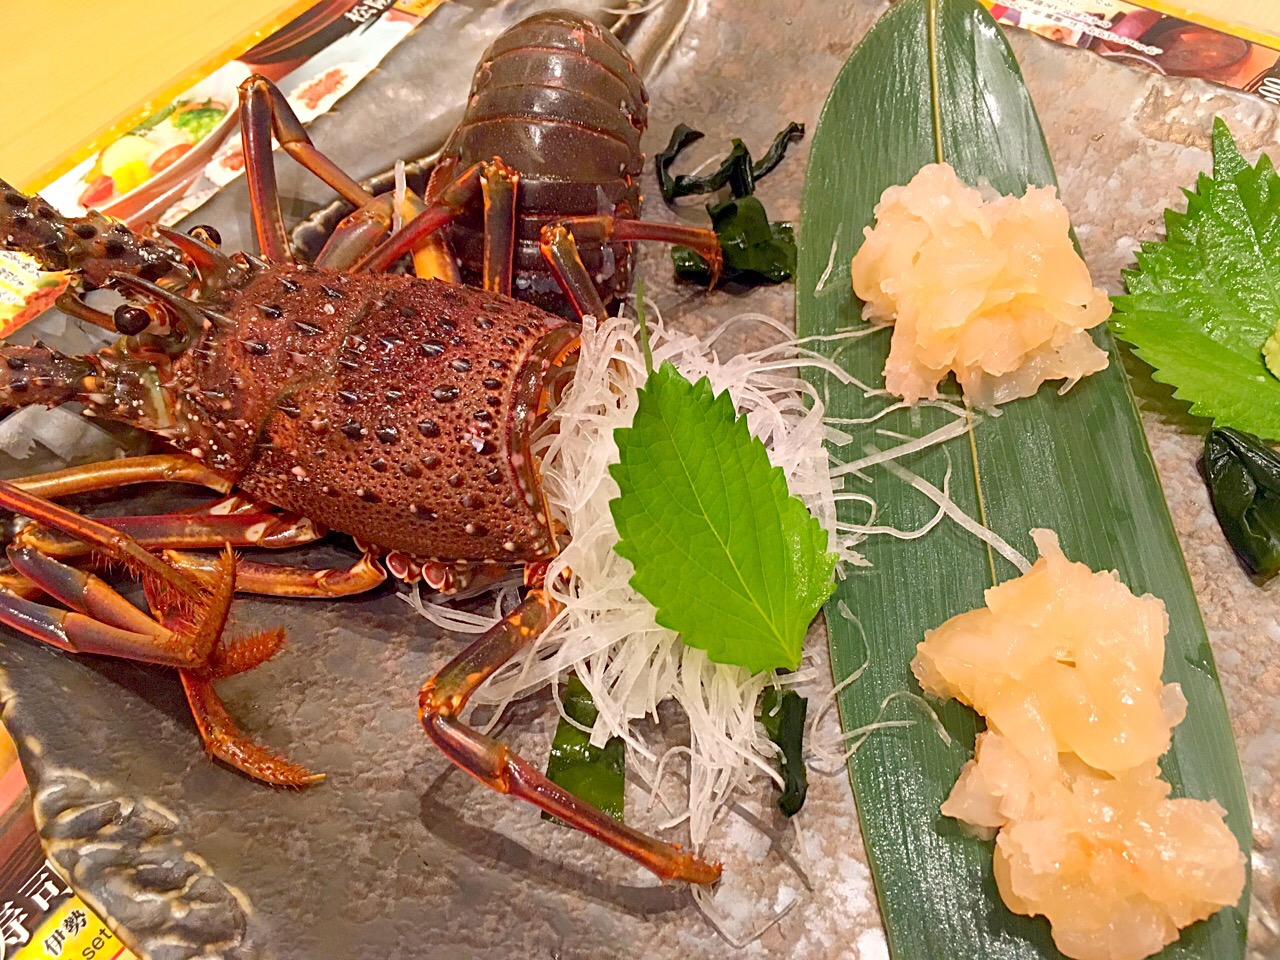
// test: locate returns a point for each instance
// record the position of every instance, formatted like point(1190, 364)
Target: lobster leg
point(264, 111)
point(499, 184)
point(559, 247)
point(104, 540)
point(561, 252)
point(218, 731)
point(77, 633)
point(109, 474)
point(284, 581)
point(445, 206)
point(492, 762)
point(293, 137)
point(83, 592)
point(104, 623)
point(224, 740)
point(177, 530)
point(357, 234)
point(607, 229)
point(260, 171)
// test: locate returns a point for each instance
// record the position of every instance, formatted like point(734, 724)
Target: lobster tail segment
point(93, 244)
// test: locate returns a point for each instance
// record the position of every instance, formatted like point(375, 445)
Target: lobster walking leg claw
point(187, 632)
point(493, 763)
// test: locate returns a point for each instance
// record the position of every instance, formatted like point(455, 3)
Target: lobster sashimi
point(397, 409)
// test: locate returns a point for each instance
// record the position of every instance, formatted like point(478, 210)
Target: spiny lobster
point(394, 408)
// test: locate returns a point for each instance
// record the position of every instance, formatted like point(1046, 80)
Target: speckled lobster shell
point(559, 99)
point(391, 408)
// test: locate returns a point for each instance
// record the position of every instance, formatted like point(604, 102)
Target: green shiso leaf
point(1204, 304)
point(935, 80)
point(732, 562)
point(594, 774)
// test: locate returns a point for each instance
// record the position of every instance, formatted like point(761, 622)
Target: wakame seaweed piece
point(736, 170)
point(594, 774)
point(934, 81)
point(756, 249)
point(782, 716)
point(1243, 476)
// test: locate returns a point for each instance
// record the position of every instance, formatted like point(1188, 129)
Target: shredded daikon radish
point(397, 200)
point(831, 262)
point(607, 633)
point(957, 428)
point(985, 534)
point(449, 617)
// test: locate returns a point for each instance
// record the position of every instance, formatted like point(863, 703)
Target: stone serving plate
point(395, 855)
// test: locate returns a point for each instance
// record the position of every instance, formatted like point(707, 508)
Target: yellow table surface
point(84, 69)
point(74, 70)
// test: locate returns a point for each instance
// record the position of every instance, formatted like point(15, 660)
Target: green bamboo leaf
point(935, 80)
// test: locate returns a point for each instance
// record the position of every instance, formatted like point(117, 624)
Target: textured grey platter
point(396, 856)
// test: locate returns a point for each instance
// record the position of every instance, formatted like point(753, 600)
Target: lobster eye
point(131, 320)
point(206, 234)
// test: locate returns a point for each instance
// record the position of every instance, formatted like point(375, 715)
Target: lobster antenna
point(207, 258)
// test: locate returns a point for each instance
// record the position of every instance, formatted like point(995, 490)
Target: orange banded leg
point(102, 539)
point(159, 468)
point(191, 612)
point(271, 531)
point(264, 97)
point(559, 246)
point(499, 184)
point(445, 206)
point(264, 111)
point(224, 740)
point(433, 259)
point(76, 633)
point(560, 250)
point(218, 731)
point(103, 622)
point(357, 234)
point(492, 762)
point(84, 592)
point(283, 581)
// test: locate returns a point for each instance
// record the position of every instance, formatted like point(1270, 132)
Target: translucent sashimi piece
point(992, 291)
point(1065, 664)
point(1115, 865)
point(1061, 659)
